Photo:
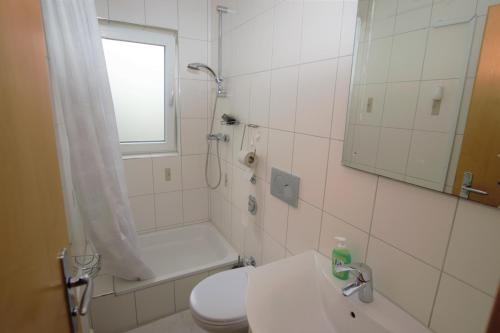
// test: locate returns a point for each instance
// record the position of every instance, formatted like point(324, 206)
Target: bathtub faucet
point(218, 137)
point(363, 284)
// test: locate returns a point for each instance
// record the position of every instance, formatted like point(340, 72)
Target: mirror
point(424, 104)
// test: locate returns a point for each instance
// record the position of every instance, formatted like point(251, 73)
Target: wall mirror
point(424, 104)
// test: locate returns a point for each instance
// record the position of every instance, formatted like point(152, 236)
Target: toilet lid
point(220, 298)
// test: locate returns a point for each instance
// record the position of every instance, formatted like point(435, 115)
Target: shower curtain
point(87, 137)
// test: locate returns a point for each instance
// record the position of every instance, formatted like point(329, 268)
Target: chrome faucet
point(363, 284)
point(218, 137)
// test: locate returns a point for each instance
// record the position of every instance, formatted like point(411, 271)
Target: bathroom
point(269, 130)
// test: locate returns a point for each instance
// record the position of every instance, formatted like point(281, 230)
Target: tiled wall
point(117, 313)
point(288, 66)
point(405, 51)
point(157, 203)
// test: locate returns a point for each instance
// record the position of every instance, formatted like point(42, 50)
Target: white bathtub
point(176, 253)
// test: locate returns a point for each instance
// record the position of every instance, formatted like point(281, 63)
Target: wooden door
point(481, 144)
point(32, 219)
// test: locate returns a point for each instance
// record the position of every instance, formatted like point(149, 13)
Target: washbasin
point(299, 294)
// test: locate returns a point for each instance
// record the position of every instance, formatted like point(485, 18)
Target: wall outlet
point(168, 175)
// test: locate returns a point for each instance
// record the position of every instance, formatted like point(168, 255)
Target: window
point(140, 63)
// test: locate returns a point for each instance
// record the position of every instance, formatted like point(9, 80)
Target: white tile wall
point(409, 282)
point(193, 19)
point(193, 136)
point(406, 5)
point(158, 203)
point(143, 210)
point(400, 104)
point(139, 176)
point(161, 167)
point(195, 205)
point(287, 33)
point(259, 99)
point(453, 11)
point(193, 175)
point(154, 302)
point(407, 56)
point(183, 289)
point(460, 308)
point(271, 250)
point(162, 13)
point(168, 209)
point(130, 11)
point(321, 28)
point(304, 224)
point(421, 223)
point(476, 230)
point(280, 150)
point(341, 97)
point(446, 54)
point(114, 313)
point(349, 193)
point(102, 8)
point(424, 163)
point(402, 231)
point(413, 20)
point(283, 104)
point(393, 149)
point(315, 98)
point(275, 218)
point(310, 166)
point(377, 66)
point(357, 240)
point(193, 99)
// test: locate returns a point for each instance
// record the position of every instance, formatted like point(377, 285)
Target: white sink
point(299, 294)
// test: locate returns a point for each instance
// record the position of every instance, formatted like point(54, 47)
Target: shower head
point(199, 66)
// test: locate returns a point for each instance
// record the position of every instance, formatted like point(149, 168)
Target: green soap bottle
point(340, 256)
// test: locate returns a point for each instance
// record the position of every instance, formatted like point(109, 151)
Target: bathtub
point(179, 258)
point(177, 253)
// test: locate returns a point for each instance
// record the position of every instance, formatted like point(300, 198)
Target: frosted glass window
point(137, 78)
point(142, 75)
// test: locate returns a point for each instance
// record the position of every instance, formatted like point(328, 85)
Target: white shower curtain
point(92, 169)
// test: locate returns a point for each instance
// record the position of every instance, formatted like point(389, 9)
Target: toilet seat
point(219, 301)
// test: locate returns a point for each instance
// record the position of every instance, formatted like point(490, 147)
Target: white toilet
point(218, 302)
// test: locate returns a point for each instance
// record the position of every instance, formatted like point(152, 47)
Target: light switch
point(168, 175)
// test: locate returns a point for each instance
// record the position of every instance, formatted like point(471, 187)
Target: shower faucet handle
point(218, 137)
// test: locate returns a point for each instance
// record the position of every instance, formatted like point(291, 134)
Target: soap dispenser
point(340, 256)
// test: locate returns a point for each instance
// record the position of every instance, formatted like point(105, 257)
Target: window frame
point(152, 36)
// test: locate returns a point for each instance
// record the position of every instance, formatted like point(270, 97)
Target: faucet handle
point(353, 287)
point(362, 271)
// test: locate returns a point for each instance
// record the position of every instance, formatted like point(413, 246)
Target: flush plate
point(285, 186)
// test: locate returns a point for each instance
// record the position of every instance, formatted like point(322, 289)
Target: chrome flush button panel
point(285, 186)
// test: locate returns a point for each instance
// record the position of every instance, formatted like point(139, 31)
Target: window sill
point(151, 155)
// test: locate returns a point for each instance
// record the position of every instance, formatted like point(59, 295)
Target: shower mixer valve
point(218, 137)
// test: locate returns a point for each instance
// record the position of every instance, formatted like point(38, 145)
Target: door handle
point(466, 186)
point(86, 280)
point(69, 282)
point(474, 190)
